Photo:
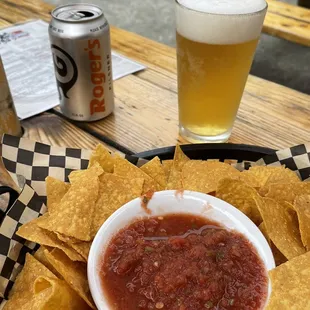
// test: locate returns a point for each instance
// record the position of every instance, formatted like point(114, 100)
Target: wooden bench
point(287, 21)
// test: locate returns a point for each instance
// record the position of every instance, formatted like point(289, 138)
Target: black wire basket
point(220, 151)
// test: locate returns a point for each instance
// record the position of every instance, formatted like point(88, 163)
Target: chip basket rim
point(222, 151)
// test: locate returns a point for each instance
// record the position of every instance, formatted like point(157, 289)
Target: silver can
point(81, 48)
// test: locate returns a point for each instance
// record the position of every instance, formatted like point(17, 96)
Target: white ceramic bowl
point(169, 202)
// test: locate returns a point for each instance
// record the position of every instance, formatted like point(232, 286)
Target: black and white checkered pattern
point(35, 161)
point(296, 158)
point(13, 248)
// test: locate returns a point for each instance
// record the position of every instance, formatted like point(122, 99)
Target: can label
point(65, 69)
point(84, 77)
point(98, 78)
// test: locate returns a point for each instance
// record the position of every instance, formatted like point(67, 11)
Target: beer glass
point(9, 122)
point(216, 41)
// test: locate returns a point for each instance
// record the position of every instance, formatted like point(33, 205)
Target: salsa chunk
point(182, 262)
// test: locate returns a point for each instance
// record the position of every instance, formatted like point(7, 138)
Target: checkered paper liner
point(296, 158)
point(33, 161)
point(29, 163)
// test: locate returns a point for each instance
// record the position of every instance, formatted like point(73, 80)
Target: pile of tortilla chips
point(273, 197)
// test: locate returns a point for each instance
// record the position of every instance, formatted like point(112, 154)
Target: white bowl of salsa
point(183, 250)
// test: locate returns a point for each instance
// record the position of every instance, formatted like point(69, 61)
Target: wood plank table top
point(146, 112)
point(288, 21)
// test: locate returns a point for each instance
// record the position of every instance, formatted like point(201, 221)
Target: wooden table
point(146, 114)
point(288, 21)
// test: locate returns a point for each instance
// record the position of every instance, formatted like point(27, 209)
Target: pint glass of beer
point(9, 122)
point(216, 41)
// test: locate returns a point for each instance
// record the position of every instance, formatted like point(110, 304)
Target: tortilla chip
point(21, 291)
point(175, 174)
point(21, 302)
point(291, 285)
point(75, 211)
point(156, 171)
point(167, 166)
point(41, 257)
point(51, 293)
point(17, 302)
point(241, 196)
point(55, 190)
point(302, 207)
point(283, 175)
point(248, 179)
point(262, 173)
point(263, 229)
point(67, 239)
point(31, 270)
point(39, 254)
point(263, 190)
point(125, 169)
point(102, 156)
point(75, 176)
point(32, 232)
point(279, 258)
point(117, 192)
point(74, 273)
point(281, 226)
point(288, 192)
point(80, 247)
point(175, 180)
point(179, 158)
point(204, 176)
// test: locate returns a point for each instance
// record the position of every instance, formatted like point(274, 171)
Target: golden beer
point(213, 67)
point(9, 122)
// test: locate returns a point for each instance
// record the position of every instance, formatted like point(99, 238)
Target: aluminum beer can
point(81, 49)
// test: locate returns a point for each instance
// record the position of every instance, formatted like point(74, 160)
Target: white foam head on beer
point(220, 21)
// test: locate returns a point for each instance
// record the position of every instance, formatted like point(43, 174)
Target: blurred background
point(276, 59)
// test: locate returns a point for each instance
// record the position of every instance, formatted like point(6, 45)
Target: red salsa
point(182, 262)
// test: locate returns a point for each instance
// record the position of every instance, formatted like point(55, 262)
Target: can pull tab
point(81, 14)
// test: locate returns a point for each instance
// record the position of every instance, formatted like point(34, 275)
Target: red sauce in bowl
point(182, 262)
